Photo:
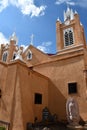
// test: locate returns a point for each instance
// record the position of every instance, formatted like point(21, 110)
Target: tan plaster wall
point(61, 73)
point(3, 73)
point(39, 85)
point(10, 91)
point(25, 90)
point(19, 84)
point(8, 85)
point(30, 83)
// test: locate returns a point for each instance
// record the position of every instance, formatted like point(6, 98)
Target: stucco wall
point(7, 79)
point(39, 85)
point(31, 83)
point(19, 85)
point(60, 74)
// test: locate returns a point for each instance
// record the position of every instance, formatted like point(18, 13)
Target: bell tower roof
point(68, 14)
point(70, 33)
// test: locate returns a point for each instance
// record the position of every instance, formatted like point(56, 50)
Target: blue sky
point(37, 17)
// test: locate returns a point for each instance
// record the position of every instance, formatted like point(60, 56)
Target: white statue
point(72, 111)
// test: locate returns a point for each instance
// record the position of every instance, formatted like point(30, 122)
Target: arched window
point(4, 56)
point(68, 37)
point(29, 55)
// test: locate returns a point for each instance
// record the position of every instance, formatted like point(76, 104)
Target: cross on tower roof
point(32, 38)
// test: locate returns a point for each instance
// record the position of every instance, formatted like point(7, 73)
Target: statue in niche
point(72, 111)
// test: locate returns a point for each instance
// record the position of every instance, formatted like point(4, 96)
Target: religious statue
point(72, 111)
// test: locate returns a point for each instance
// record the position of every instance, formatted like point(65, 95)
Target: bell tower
point(70, 33)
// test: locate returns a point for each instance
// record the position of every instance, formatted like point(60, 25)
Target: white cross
point(32, 38)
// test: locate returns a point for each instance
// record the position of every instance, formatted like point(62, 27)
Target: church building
point(31, 80)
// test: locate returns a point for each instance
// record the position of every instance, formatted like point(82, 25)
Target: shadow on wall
point(56, 102)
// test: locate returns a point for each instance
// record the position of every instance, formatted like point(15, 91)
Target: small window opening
point(38, 98)
point(29, 55)
point(14, 56)
point(0, 93)
point(72, 88)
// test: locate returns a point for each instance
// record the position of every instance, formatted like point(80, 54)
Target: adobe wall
point(30, 83)
point(7, 79)
point(3, 73)
point(19, 85)
point(60, 74)
point(39, 84)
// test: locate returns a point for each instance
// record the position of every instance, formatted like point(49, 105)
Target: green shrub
point(2, 128)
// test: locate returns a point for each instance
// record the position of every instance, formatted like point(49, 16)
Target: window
point(38, 98)
point(71, 37)
point(0, 93)
point(14, 56)
point(29, 55)
point(72, 88)
point(68, 37)
point(4, 56)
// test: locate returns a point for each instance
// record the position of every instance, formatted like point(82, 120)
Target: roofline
point(16, 62)
point(62, 56)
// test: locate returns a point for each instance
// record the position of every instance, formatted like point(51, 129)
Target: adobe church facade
point(31, 80)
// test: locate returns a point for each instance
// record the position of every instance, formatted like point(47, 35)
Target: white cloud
point(3, 4)
point(70, 2)
point(42, 48)
point(49, 43)
point(3, 39)
point(60, 1)
point(45, 46)
point(33, 10)
point(27, 7)
point(82, 3)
